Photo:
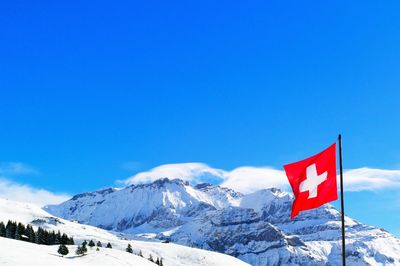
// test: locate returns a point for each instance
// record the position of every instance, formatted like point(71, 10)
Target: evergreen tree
point(79, 250)
point(11, 228)
point(108, 245)
point(63, 250)
point(84, 243)
point(64, 239)
point(151, 258)
point(97, 249)
point(20, 231)
point(41, 236)
point(38, 236)
point(71, 241)
point(91, 243)
point(161, 262)
point(30, 233)
point(140, 253)
point(58, 238)
point(129, 249)
point(99, 244)
point(46, 237)
point(2, 229)
point(51, 240)
point(158, 261)
point(84, 249)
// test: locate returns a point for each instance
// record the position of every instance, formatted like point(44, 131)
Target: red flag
point(313, 180)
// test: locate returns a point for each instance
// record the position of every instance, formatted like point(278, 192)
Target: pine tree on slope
point(30, 233)
point(2, 229)
point(84, 248)
point(63, 250)
point(79, 250)
point(20, 231)
point(151, 258)
point(11, 228)
point(91, 243)
point(129, 249)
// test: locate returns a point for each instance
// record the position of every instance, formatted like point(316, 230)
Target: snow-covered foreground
point(14, 252)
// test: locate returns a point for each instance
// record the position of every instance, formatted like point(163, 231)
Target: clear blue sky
point(87, 87)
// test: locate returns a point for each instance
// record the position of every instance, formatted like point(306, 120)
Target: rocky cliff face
point(255, 228)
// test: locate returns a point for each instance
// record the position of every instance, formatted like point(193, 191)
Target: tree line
point(82, 249)
point(41, 236)
point(19, 231)
point(158, 261)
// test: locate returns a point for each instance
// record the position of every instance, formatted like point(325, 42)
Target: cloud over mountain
point(25, 193)
point(247, 179)
point(13, 190)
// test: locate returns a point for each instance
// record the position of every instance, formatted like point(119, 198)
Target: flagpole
point(342, 201)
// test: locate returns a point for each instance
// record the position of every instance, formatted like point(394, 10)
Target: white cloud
point(370, 179)
point(21, 192)
point(247, 179)
point(194, 172)
point(25, 193)
point(243, 179)
point(16, 168)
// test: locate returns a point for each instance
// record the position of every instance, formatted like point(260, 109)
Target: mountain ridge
point(255, 227)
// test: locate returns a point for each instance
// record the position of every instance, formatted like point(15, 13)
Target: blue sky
point(91, 93)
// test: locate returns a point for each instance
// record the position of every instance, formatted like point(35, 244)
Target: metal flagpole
point(342, 201)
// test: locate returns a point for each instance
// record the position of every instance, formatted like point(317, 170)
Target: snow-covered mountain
point(15, 253)
point(255, 228)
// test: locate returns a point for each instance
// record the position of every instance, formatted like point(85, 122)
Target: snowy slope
point(172, 254)
point(37, 255)
point(255, 228)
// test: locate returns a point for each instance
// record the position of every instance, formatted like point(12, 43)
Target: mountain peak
point(202, 186)
point(161, 183)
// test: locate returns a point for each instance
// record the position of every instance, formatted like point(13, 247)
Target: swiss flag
point(313, 180)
